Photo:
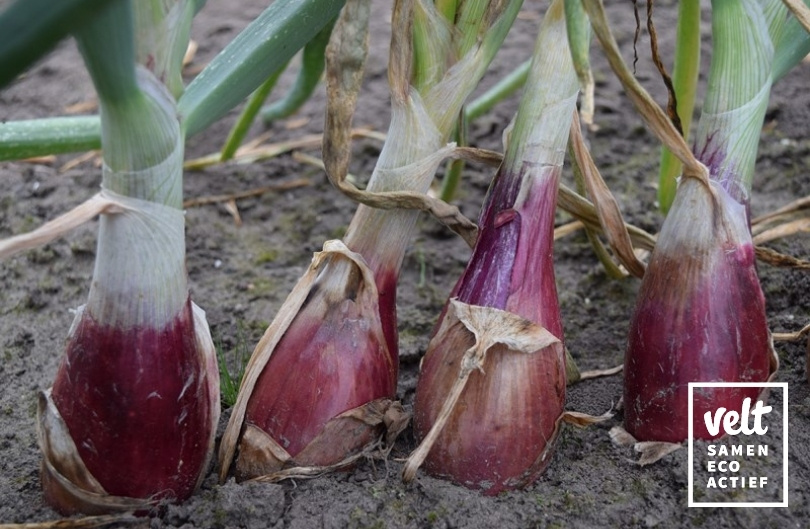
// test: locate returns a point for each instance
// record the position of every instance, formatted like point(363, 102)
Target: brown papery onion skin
point(500, 434)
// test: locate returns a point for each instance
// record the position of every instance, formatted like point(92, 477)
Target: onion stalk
point(132, 414)
point(491, 389)
point(313, 61)
point(162, 38)
point(685, 70)
point(320, 384)
point(700, 315)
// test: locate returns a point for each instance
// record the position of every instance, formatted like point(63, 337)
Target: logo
point(740, 456)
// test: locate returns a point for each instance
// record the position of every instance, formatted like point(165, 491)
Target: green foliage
point(262, 48)
point(313, 62)
point(39, 137)
point(229, 381)
point(32, 27)
point(259, 50)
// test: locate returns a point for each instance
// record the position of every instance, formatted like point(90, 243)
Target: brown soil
point(241, 274)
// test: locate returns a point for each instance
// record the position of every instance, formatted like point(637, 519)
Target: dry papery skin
point(493, 390)
point(328, 329)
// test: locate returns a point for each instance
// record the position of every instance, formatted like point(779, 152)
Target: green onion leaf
point(258, 51)
point(309, 76)
point(32, 27)
point(684, 80)
point(40, 137)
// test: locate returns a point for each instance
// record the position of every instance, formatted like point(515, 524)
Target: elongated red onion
point(700, 315)
point(137, 394)
point(338, 327)
point(320, 385)
point(500, 333)
point(330, 379)
point(131, 418)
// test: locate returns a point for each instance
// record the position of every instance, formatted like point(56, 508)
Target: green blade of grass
point(230, 380)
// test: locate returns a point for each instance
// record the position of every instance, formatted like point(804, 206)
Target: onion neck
point(382, 236)
point(512, 264)
point(421, 124)
point(737, 95)
point(142, 144)
point(140, 276)
point(727, 144)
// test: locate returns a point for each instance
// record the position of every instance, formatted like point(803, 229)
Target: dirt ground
point(240, 274)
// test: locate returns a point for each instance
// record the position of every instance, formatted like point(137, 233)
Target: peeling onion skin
point(330, 360)
point(700, 317)
point(139, 406)
point(501, 432)
point(497, 437)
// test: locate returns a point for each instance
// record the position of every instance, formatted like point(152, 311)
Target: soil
point(241, 273)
